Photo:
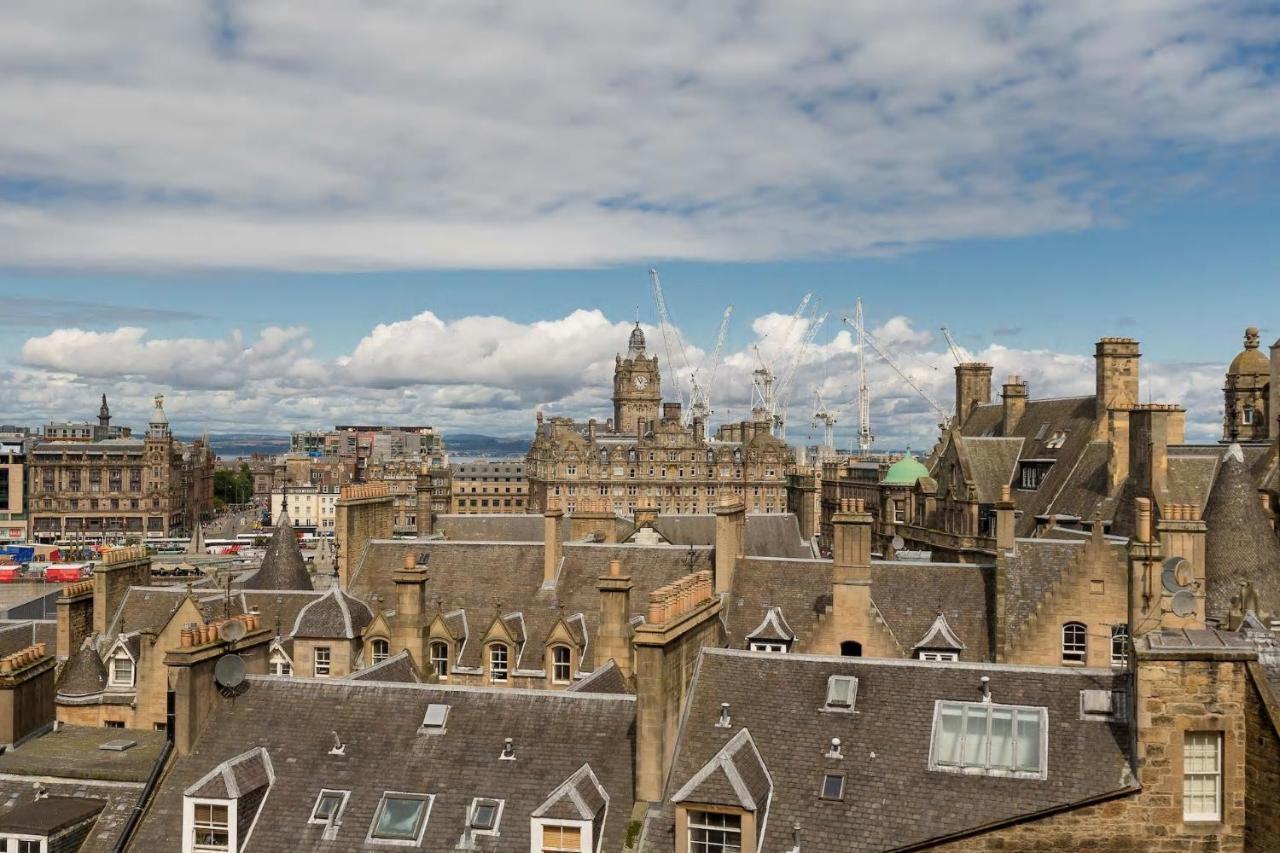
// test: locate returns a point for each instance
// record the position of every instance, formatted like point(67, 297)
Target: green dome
point(905, 472)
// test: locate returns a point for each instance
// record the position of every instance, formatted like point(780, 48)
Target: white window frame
point(113, 679)
point(691, 826)
point(1118, 632)
point(768, 646)
point(416, 841)
point(495, 831)
point(986, 769)
point(822, 792)
point(280, 664)
point(375, 656)
point(938, 657)
point(1074, 652)
point(337, 812)
point(835, 692)
point(1246, 417)
point(441, 672)
point(316, 664)
point(535, 835)
point(557, 665)
point(189, 826)
point(506, 663)
point(1215, 740)
point(40, 841)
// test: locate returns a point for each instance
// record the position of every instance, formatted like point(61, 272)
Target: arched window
point(1074, 643)
point(440, 659)
point(1119, 645)
point(499, 658)
point(851, 649)
point(381, 650)
point(561, 665)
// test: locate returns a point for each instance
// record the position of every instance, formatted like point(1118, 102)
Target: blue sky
point(449, 216)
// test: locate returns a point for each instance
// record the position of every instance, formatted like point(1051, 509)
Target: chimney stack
point(551, 541)
point(411, 609)
point(1116, 362)
point(1005, 520)
point(613, 638)
point(1014, 394)
point(851, 577)
point(731, 519)
point(973, 388)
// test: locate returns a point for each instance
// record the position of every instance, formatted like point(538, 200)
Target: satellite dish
point(229, 671)
point(1184, 603)
point(231, 631)
point(1176, 574)
point(898, 543)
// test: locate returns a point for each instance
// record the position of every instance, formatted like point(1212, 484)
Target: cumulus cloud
point(349, 135)
point(491, 374)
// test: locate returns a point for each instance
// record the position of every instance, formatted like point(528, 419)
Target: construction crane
point(764, 385)
point(865, 438)
point(787, 385)
point(957, 352)
point(944, 419)
point(825, 417)
point(670, 338)
point(700, 393)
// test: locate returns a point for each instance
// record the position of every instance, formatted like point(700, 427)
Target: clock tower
point(636, 392)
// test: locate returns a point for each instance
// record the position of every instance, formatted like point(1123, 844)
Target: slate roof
point(398, 668)
point(477, 577)
point(335, 615)
point(84, 675)
point(1240, 545)
point(907, 595)
point(49, 815)
point(282, 565)
point(892, 799)
point(991, 463)
point(765, 534)
point(1073, 415)
point(604, 679)
point(294, 720)
point(494, 527)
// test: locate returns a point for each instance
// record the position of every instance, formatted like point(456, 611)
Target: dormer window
point(1246, 417)
point(559, 838)
point(280, 664)
point(714, 832)
point(1056, 441)
point(499, 657)
point(381, 650)
point(561, 665)
point(209, 827)
point(841, 692)
point(440, 659)
point(122, 670)
point(1032, 473)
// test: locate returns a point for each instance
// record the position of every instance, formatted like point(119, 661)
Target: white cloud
point(353, 135)
point(491, 374)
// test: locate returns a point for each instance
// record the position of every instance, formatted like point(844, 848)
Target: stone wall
point(363, 512)
point(1262, 770)
point(75, 617)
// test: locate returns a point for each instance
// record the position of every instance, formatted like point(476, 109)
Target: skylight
point(400, 817)
point(833, 786)
point(435, 718)
point(841, 691)
point(996, 740)
point(484, 814)
point(329, 805)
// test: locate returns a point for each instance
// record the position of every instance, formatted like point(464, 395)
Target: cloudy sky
point(285, 214)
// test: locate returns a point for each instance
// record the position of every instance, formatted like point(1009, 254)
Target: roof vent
point(723, 722)
point(339, 748)
point(986, 688)
point(119, 745)
point(433, 721)
point(508, 750)
point(835, 752)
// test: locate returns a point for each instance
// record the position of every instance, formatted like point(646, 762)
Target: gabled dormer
point(377, 640)
point(446, 640)
point(939, 643)
point(572, 818)
point(122, 660)
point(219, 811)
point(502, 646)
point(563, 649)
point(726, 801)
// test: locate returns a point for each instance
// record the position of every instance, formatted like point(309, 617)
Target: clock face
point(640, 381)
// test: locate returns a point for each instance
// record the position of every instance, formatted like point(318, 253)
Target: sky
point(287, 215)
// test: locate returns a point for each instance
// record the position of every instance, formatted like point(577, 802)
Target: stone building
point(112, 488)
point(1251, 396)
point(13, 486)
point(646, 456)
point(488, 487)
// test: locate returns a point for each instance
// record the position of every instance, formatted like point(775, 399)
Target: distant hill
point(475, 444)
point(229, 445)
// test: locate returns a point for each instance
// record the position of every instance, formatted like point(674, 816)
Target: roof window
point(841, 692)
point(485, 814)
point(435, 718)
point(833, 786)
point(993, 740)
point(329, 806)
point(400, 817)
point(1043, 431)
